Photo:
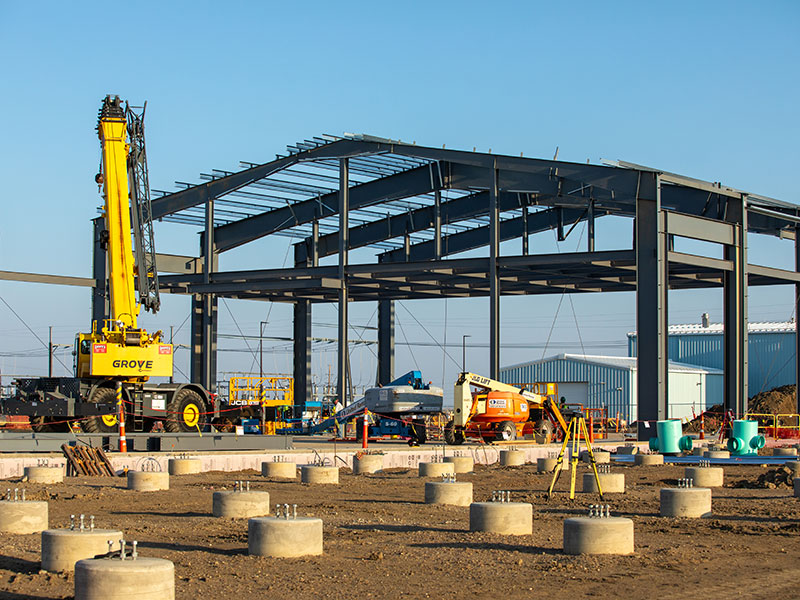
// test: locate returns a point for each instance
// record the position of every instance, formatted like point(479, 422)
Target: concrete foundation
point(284, 538)
point(647, 460)
point(279, 470)
point(600, 457)
point(699, 451)
point(705, 477)
point(432, 469)
point(548, 465)
point(512, 458)
point(716, 454)
point(588, 535)
point(62, 548)
point(784, 452)
point(627, 450)
point(458, 493)
point(185, 466)
point(240, 505)
point(114, 579)
point(23, 517)
point(367, 463)
point(147, 481)
point(44, 474)
point(686, 502)
point(505, 518)
point(611, 483)
point(461, 464)
point(315, 474)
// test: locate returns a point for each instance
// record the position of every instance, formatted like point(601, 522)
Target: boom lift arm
point(466, 405)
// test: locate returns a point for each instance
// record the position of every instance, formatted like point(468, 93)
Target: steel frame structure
point(419, 206)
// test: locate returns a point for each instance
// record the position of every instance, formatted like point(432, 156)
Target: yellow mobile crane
point(117, 352)
point(496, 411)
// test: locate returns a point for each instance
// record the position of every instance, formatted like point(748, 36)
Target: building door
point(575, 393)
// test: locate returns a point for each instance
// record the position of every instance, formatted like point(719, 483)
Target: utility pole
point(171, 378)
point(50, 352)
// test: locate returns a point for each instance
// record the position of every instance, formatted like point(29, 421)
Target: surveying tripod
point(576, 427)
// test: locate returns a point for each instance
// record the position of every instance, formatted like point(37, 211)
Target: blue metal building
point(610, 382)
point(770, 348)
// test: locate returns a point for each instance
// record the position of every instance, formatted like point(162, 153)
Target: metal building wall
point(770, 356)
point(715, 389)
point(608, 386)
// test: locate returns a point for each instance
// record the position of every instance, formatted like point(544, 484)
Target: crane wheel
point(453, 436)
point(506, 430)
point(185, 412)
point(102, 423)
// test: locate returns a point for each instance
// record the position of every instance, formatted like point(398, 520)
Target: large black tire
point(452, 435)
point(186, 412)
point(420, 431)
point(105, 423)
point(544, 427)
point(505, 431)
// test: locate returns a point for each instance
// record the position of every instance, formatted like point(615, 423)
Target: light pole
point(464, 352)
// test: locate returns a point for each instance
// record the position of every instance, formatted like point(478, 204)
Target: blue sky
point(705, 89)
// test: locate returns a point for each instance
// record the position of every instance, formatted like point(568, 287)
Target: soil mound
point(772, 479)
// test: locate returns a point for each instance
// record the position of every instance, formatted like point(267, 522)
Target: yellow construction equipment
point(496, 411)
point(114, 361)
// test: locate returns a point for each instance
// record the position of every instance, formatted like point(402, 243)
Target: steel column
point(344, 207)
point(303, 392)
point(204, 312)
point(437, 224)
point(651, 305)
point(99, 262)
point(797, 317)
point(494, 280)
point(385, 342)
point(525, 240)
point(735, 313)
point(315, 243)
point(590, 227)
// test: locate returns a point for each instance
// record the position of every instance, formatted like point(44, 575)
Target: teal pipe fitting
point(745, 439)
point(668, 437)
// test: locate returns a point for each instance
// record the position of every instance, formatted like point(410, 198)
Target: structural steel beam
point(698, 228)
point(651, 306)
point(200, 194)
point(420, 180)
point(477, 237)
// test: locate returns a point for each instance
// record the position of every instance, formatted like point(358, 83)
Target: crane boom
point(111, 129)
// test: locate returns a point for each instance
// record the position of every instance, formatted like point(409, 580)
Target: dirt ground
point(382, 541)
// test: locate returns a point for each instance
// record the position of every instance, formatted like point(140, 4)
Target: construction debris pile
point(781, 477)
point(778, 401)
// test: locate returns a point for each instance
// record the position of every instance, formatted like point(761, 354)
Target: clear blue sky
point(705, 89)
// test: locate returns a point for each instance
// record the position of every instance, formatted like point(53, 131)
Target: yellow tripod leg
point(576, 444)
point(560, 460)
point(591, 457)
